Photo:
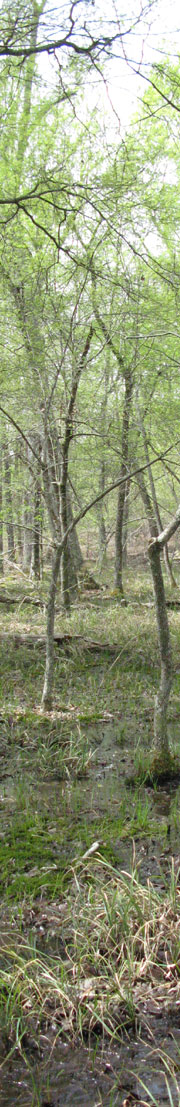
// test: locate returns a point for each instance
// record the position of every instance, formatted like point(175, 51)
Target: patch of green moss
point(28, 860)
point(163, 769)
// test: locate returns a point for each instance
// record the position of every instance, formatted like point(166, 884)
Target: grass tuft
point(121, 949)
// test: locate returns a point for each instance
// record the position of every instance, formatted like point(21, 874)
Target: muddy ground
point(94, 803)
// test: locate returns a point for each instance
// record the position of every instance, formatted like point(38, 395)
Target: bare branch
point(166, 534)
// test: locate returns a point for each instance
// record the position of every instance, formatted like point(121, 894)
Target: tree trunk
point(161, 744)
point(63, 489)
point(27, 532)
point(49, 669)
point(8, 498)
point(155, 502)
point(77, 568)
point(122, 487)
point(125, 521)
point(35, 569)
point(102, 528)
point(76, 560)
point(1, 524)
point(102, 541)
point(65, 592)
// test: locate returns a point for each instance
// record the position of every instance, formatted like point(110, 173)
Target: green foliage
point(89, 238)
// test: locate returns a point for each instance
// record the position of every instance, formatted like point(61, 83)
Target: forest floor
point(89, 857)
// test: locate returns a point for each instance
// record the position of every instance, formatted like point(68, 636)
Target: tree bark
point(161, 743)
point(8, 498)
point(68, 435)
point(102, 528)
point(155, 502)
point(125, 521)
point(65, 591)
point(75, 555)
point(122, 487)
point(49, 669)
point(27, 531)
point(1, 524)
point(35, 568)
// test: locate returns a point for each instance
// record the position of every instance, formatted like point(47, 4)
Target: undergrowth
point(70, 811)
point(114, 935)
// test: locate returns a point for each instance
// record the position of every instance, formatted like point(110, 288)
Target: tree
point(68, 312)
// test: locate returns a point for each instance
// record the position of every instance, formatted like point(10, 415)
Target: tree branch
point(166, 534)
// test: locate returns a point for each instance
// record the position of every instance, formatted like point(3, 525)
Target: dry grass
point(120, 959)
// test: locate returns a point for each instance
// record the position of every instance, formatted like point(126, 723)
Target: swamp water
point(46, 1071)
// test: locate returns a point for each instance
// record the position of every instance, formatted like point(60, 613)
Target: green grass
point(63, 792)
point(115, 933)
point(38, 749)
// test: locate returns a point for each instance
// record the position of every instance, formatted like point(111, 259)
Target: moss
point(29, 861)
point(163, 769)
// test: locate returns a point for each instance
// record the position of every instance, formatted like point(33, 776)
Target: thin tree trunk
point(65, 591)
point(162, 699)
point(102, 528)
point(68, 435)
point(35, 569)
point(122, 487)
point(27, 532)
point(1, 524)
point(125, 520)
point(8, 498)
point(77, 568)
point(102, 540)
point(49, 669)
point(125, 437)
point(76, 557)
point(161, 744)
point(154, 500)
point(60, 547)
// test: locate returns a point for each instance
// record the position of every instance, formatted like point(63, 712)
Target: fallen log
point(60, 640)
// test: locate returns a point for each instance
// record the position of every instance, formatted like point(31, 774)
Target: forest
point(89, 558)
